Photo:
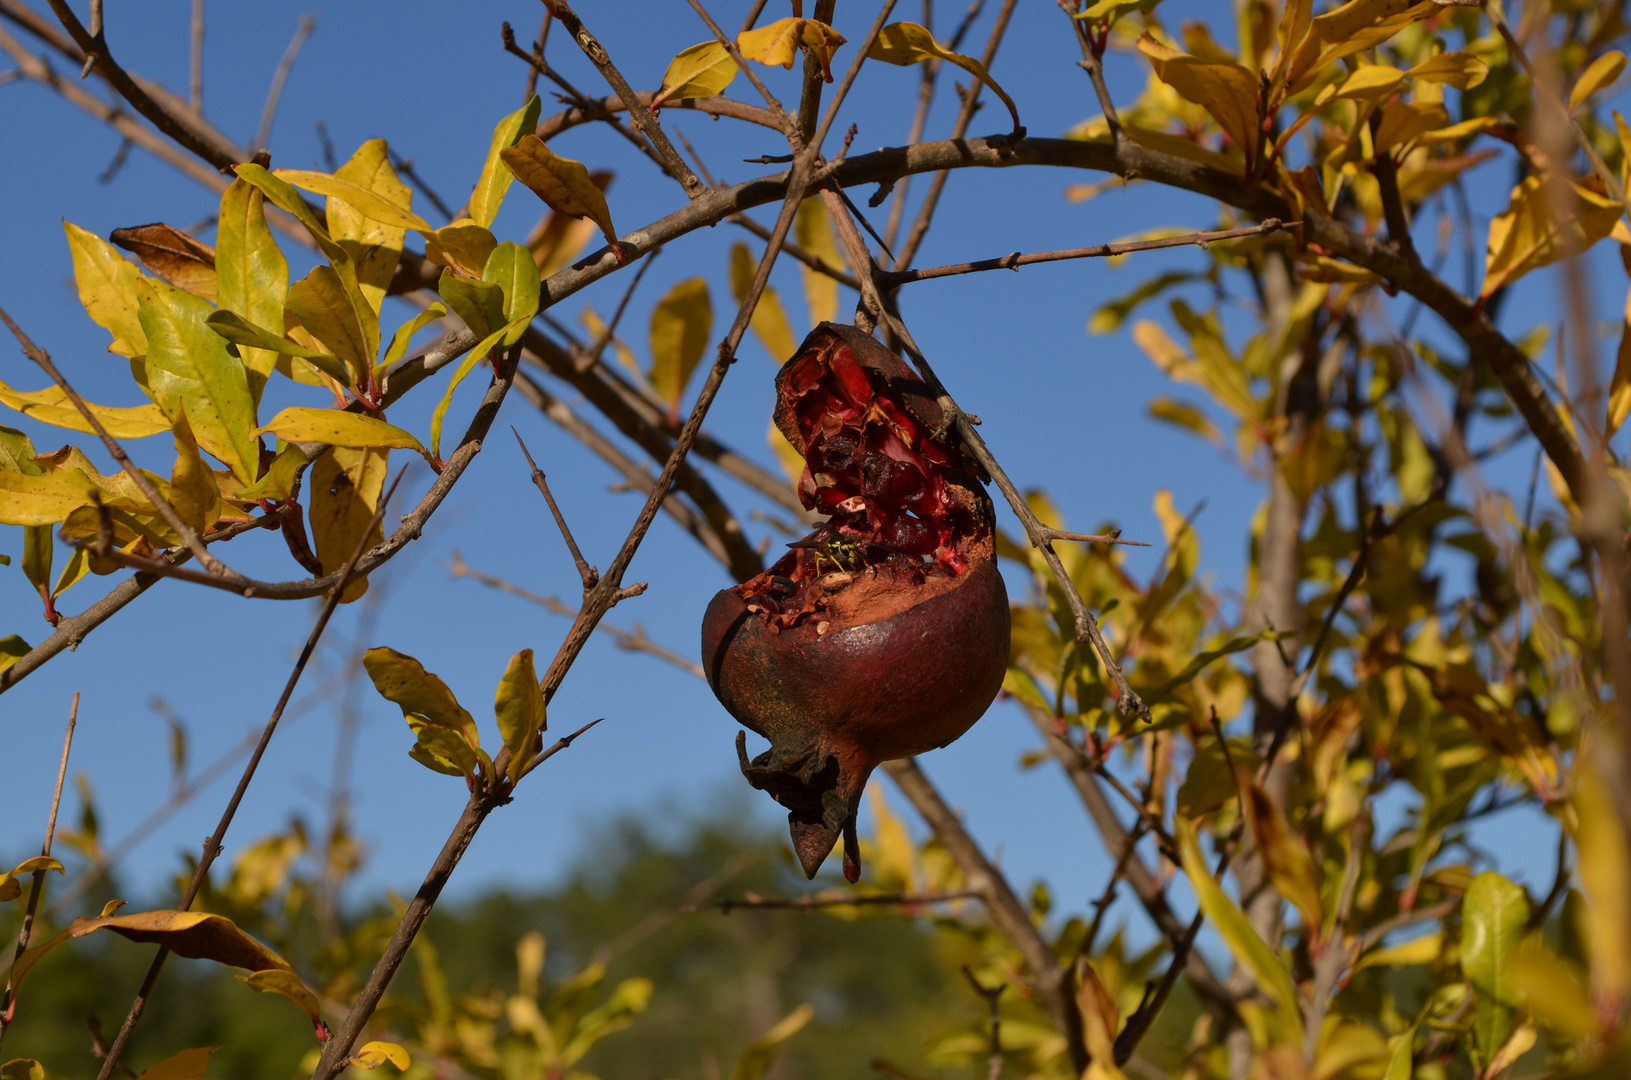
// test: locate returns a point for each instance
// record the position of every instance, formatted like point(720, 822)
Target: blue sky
point(1062, 410)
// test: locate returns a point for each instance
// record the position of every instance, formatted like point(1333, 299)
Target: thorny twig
point(212, 846)
point(1016, 260)
point(629, 640)
point(7, 1002)
point(588, 573)
point(750, 901)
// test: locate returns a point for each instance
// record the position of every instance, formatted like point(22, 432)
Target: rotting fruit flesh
point(882, 634)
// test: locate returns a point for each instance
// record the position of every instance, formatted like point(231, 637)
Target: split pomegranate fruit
point(882, 634)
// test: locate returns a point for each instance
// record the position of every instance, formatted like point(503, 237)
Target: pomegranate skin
point(836, 705)
point(882, 634)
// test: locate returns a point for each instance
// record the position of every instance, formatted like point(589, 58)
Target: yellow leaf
point(402, 680)
point(1349, 29)
point(559, 238)
point(680, 324)
point(252, 277)
point(172, 255)
point(1421, 950)
point(813, 230)
point(495, 177)
point(187, 1065)
point(463, 245)
point(45, 499)
point(769, 321)
point(468, 364)
point(1251, 951)
point(51, 406)
point(337, 427)
point(194, 934)
point(906, 43)
point(325, 309)
point(1460, 70)
point(893, 857)
point(251, 338)
point(1554, 987)
point(1100, 1021)
point(761, 1053)
point(780, 41)
point(11, 888)
point(562, 183)
point(1600, 73)
point(1368, 82)
point(1605, 879)
point(287, 985)
point(345, 485)
point(22, 1069)
point(370, 204)
point(700, 71)
point(375, 245)
point(193, 493)
point(404, 336)
point(1404, 122)
point(1526, 237)
point(1619, 389)
point(519, 706)
point(374, 1054)
point(106, 281)
point(1227, 91)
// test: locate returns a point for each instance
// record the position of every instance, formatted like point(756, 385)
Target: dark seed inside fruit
point(882, 634)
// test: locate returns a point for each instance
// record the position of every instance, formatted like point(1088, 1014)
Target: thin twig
point(630, 640)
point(482, 802)
point(189, 538)
point(638, 113)
point(592, 356)
point(537, 57)
point(1092, 62)
point(1097, 251)
point(813, 261)
point(303, 30)
point(7, 1005)
point(817, 903)
point(588, 573)
point(925, 212)
point(405, 167)
point(212, 846)
point(990, 994)
point(195, 80)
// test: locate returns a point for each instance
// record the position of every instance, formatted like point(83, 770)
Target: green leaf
point(404, 335)
point(106, 281)
point(1231, 923)
point(495, 175)
point(680, 324)
point(280, 477)
point(1109, 318)
point(761, 1053)
point(1493, 915)
point(468, 364)
point(628, 1001)
point(188, 365)
point(251, 273)
point(249, 337)
point(519, 706)
point(511, 268)
point(479, 303)
point(187, 1065)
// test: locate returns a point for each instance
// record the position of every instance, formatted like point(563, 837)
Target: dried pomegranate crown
point(882, 634)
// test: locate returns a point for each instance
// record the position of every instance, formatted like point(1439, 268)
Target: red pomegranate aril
point(882, 634)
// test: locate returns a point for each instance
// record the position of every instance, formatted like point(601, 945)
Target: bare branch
point(751, 901)
point(263, 134)
point(212, 846)
point(588, 573)
point(195, 79)
point(27, 930)
point(629, 640)
point(537, 57)
point(1097, 251)
point(1007, 913)
point(189, 538)
point(643, 120)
